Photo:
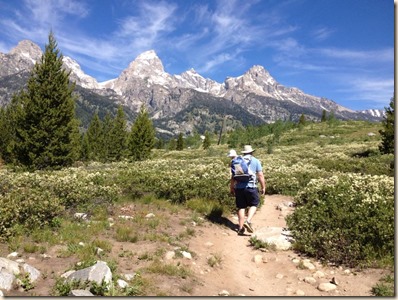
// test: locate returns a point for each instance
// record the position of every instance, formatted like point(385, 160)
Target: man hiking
point(245, 190)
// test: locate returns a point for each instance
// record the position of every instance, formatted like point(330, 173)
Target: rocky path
point(242, 270)
point(250, 272)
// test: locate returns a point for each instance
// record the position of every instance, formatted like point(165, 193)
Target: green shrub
point(169, 269)
point(346, 219)
point(30, 208)
point(258, 244)
point(385, 288)
point(372, 164)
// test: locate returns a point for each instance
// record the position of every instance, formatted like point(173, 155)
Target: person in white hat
point(232, 154)
point(246, 193)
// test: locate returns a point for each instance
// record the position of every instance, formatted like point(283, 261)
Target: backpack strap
point(253, 175)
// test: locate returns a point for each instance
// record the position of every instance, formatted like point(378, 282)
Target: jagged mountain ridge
point(174, 97)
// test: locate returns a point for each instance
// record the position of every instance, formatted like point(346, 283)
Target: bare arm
point(232, 186)
point(261, 179)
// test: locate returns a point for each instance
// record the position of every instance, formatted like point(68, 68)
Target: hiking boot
point(248, 226)
point(241, 231)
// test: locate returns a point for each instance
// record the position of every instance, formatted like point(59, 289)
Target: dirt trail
point(238, 274)
point(276, 275)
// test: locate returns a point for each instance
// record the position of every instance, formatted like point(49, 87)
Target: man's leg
point(252, 211)
point(240, 202)
point(253, 202)
point(241, 217)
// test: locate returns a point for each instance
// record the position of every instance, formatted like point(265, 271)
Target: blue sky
point(339, 49)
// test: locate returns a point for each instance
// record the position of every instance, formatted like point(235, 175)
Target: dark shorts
point(246, 197)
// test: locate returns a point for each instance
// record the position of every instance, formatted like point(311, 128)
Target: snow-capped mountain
point(378, 113)
point(172, 99)
point(20, 58)
point(77, 75)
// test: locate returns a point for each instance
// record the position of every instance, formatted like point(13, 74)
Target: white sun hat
point(232, 153)
point(247, 149)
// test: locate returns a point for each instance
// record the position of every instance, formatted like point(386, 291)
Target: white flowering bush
point(288, 180)
point(180, 180)
point(347, 218)
point(33, 199)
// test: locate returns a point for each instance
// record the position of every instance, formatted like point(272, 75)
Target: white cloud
point(217, 60)
point(229, 30)
point(153, 19)
point(3, 48)
point(321, 34)
point(50, 13)
point(373, 84)
point(386, 55)
point(375, 91)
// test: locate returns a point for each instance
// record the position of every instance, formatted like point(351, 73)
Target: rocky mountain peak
point(78, 75)
point(256, 80)
point(146, 66)
point(21, 58)
point(192, 79)
point(147, 63)
point(260, 75)
point(27, 50)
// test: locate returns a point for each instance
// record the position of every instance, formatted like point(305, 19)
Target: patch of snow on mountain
point(27, 55)
point(147, 55)
point(77, 74)
point(374, 112)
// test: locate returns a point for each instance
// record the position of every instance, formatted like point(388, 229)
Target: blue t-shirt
point(254, 166)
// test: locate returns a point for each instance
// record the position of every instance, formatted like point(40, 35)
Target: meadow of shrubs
point(342, 185)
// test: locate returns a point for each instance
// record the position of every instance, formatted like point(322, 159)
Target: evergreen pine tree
point(302, 120)
point(331, 118)
point(172, 145)
point(107, 142)
point(142, 136)
point(387, 133)
point(118, 136)
point(206, 142)
point(46, 134)
point(159, 143)
point(8, 121)
point(323, 119)
point(180, 142)
point(85, 148)
point(4, 133)
point(95, 138)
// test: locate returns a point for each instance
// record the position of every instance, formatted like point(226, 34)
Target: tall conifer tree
point(8, 122)
point(172, 144)
point(206, 142)
point(387, 133)
point(180, 142)
point(47, 133)
point(142, 136)
point(302, 120)
point(118, 136)
point(107, 142)
point(95, 138)
point(323, 118)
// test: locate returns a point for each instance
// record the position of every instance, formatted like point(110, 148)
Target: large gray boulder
point(275, 236)
point(98, 273)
